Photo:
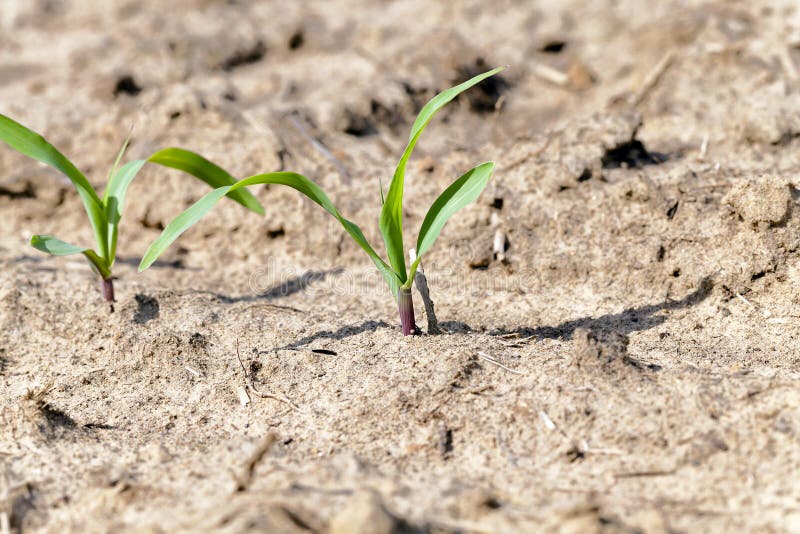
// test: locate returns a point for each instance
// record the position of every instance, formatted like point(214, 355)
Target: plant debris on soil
point(620, 308)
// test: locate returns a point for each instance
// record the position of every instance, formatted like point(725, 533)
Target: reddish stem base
point(108, 290)
point(405, 305)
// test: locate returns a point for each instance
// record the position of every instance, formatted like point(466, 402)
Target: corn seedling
point(105, 212)
point(460, 193)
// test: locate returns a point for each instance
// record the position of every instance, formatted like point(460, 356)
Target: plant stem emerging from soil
point(108, 291)
point(422, 286)
point(405, 304)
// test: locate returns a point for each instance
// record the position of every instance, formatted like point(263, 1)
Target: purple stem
point(108, 290)
point(405, 305)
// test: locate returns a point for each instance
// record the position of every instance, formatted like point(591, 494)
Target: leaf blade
point(295, 181)
point(465, 190)
point(207, 171)
point(56, 247)
point(33, 145)
point(311, 190)
point(439, 101)
point(114, 201)
point(180, 224)
point(391, 218)
point(116, 165)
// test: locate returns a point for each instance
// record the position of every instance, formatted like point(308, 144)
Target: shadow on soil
point(36, 261)
point(158, 264)
point(285, 288)
point(625, 322)
point(341, 333)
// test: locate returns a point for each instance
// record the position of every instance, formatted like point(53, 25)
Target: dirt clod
point(761, 201)
point(364, 513)
point(606, 352)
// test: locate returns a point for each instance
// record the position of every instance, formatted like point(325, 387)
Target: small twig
point(317, 145)
point(194, 372)
point(422, 286)
point(499, 241)
point(479, 390)
point(499, 245)
point(653, 77)
point(577, 445)
point(739, 295)
point(517, 342)
point(498, 364)
point(244, 398)
point(263, 395)
point(527, 155)
point(788, 64)
point(704, 147)
point(551, 75)
point(245, 478)
point(765, 313)
point(653, 473)
point(609, 452)
point(546, 420)
point(499, 104)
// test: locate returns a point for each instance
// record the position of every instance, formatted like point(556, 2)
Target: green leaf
point(114, 200)
point(391, 219)
point(210, 173)
point(56, 247)
point(116, 163)
point(180, 224)
point(462, 192)
point(296, 181)
point(36, 147)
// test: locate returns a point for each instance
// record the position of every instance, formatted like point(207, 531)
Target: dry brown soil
point(641, 317)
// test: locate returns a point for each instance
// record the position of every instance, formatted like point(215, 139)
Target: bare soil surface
point(628, 360)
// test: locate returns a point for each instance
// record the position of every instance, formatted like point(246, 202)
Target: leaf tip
point(37, 242)
point(148, 259)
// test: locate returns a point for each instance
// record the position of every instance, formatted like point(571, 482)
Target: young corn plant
point(397, 274)
point(105, 212)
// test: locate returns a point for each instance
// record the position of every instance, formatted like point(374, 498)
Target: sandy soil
point(643, 319)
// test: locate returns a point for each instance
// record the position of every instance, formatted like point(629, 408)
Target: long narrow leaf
point(114, 200)
point(116, 164)
point(296, 181)
point(57, 247)
point(180, 224)
point(462, 192)
point(391, 219)
point(36, 147)
point(210, 173)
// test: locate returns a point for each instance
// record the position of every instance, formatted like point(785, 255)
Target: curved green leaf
point(296, 181)
point(57, 247)
point(462, 192)
point(391, 219)
point(205, 170)
point(180, 224)
point(114, 201)
point(35, 146)
point(116, 163)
